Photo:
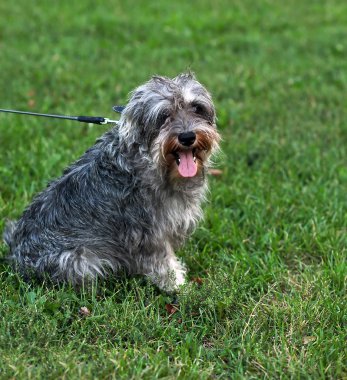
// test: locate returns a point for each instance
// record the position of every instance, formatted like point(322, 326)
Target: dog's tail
point(8, 232)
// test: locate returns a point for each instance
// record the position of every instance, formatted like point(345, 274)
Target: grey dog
point(131, 199)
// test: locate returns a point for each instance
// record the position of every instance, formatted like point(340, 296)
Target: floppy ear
point(133, 111)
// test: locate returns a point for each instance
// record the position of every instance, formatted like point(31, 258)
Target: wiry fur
point(123, 204)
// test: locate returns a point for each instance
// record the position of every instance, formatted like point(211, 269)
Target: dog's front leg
point(165, 270)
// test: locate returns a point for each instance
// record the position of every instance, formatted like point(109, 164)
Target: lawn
point(266, 296)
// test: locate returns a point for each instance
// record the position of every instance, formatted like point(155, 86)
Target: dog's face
point(173, 119)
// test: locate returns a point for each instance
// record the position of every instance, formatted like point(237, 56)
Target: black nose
point(186, 138)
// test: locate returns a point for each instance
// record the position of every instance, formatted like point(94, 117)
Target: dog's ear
point(133, 111)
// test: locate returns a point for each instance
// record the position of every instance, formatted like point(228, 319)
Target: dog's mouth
point(186, 162)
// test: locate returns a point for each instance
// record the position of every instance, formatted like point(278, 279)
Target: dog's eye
point(162, 118)
point(202, 111)
point(199, 109)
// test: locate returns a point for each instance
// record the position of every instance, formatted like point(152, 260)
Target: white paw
point(170, 276)
point(174, 280)
point(180, 278)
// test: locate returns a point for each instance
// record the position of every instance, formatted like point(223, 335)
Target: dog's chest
point(176, 217)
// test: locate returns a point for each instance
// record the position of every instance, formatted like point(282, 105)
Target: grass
point(270, 256)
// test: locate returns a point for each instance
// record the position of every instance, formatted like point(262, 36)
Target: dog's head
point(175, 121)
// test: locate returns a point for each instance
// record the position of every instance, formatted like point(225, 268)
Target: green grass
point(271, 251)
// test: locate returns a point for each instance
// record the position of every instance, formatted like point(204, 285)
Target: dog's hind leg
point(77, 266)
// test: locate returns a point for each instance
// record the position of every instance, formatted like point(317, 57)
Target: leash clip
point(108, 121)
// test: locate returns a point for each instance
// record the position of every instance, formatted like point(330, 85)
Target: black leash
point(83, 119)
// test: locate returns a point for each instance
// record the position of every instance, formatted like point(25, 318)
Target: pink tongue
point(187, 167)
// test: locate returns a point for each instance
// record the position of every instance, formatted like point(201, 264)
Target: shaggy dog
point(131, 199)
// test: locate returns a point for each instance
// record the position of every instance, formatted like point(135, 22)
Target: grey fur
point(123, 205)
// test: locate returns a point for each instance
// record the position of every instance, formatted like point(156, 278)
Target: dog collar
point(118, 109)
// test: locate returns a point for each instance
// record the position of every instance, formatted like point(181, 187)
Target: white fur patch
point(83, 265)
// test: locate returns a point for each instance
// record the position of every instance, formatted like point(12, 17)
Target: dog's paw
point(174, 280)
point(180, 278)
point(169, 282)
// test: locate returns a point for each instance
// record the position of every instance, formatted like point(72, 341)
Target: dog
point(131, 199)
